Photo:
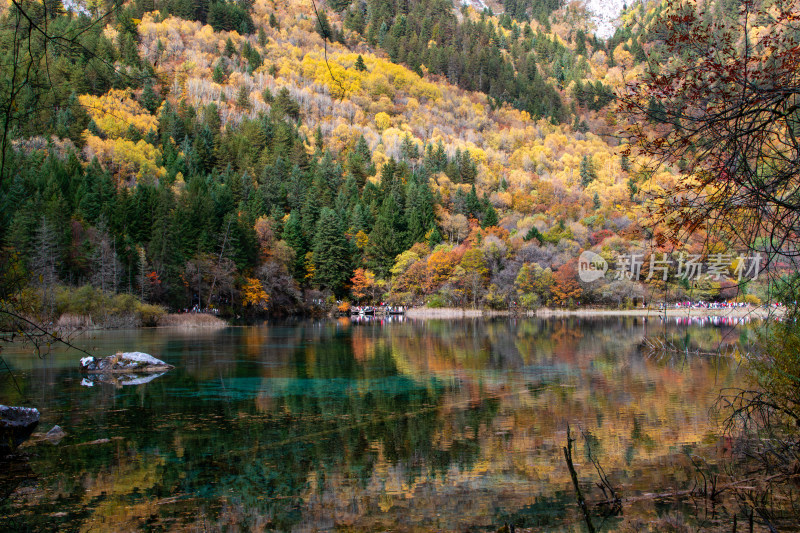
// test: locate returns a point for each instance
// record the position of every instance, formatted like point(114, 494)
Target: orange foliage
point(413, 280)
point(253, 294)
point(440, 265)
point(565, 286)
point(363, 281)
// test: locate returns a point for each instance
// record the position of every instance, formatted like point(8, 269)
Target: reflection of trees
point(590, 372)
point(256, 425)
point(324, 425)
point(335, 414)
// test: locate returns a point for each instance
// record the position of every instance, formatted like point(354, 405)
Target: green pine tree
point(230, 49)
point(473, 207)
point(323, 27)
point(318, 142)
point(243, 98)
point(327, 179)
point(587, 171)
point(339, 5)
point(219, 72)
point(490, 217)
point(388, 172)
point(285, 105)
point(625, 162)
point(534, 233)
point(360, 218)
point(149, 99)
point(420, 210)
point(331, 253)
point(387, 238)
point(434, 236)
point(294, 237)
point(408, 149)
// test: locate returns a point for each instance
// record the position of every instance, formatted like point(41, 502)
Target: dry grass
point(191, 320)
point(451, 312)
point(73, 321)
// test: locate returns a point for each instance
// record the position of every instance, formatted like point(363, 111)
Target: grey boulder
point(124, 363)
point(16, 425)
point(55, 434)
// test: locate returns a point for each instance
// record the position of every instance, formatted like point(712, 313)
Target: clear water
point(336, 425)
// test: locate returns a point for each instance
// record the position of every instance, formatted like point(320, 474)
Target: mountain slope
point(268, 169)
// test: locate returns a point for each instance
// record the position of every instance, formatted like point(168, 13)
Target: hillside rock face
point(479, 5)
point(606, 14)
point(16, 425)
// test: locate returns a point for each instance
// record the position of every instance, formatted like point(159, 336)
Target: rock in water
point(16, 425)
point(55, 434)
point(141, 357)
point(124, 363)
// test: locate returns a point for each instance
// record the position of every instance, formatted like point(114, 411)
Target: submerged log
point(16, 425)
point(124, 363)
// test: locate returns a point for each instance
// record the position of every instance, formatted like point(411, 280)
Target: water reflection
point(377, 319)
point(711, 320)
point(376, 424)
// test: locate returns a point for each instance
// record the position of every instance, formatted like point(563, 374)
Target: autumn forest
point(266, 157)
point(581, 228)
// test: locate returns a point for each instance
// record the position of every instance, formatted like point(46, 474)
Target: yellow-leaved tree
point(116, 112)
point(115, 136)
point(254, 295)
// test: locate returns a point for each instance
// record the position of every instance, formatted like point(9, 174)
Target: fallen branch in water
point(578, 493)
point(604, 484)
point(660, 345)
point(740, 484)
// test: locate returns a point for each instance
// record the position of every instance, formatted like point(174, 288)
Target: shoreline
point(71, 322)
point(452, 313)
point(670, 312)
point(548, 312)
point(202, 321)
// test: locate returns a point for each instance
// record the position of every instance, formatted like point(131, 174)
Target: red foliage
point(599, 236)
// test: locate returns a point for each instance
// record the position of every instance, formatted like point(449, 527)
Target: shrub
point(436, 302)
point(530, 301)
point(494, 299)
point(149, 314)
point(751, 299)
point(106, 309)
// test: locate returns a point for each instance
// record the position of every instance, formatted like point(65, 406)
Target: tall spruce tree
point(360, 65)
point(587, 171)
point(387, 239)
point(419, 209)
point(331, 253)
point(296, 239)
point(489, 217)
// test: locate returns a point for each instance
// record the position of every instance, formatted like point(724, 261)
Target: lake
point(365, 425)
